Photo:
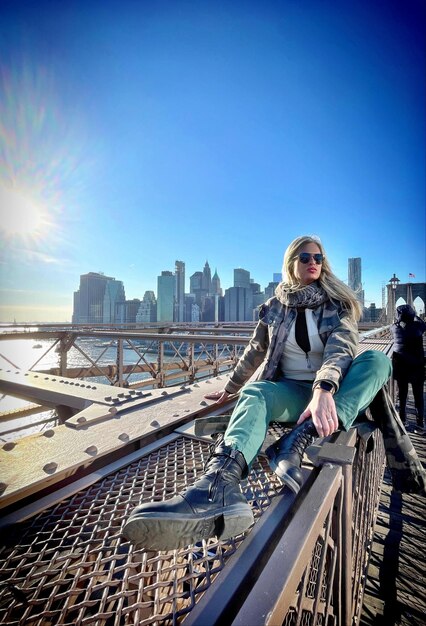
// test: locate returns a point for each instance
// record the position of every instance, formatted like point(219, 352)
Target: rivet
point(203, 403)
point(154, 423)
point(50, 468)
point(49, 433)
point(9, 446)
point(2, 487)
point(196, 385)
point(81, 419)
point(124, 437)
point(164, 393)
point(92, 450)
point(175, 414)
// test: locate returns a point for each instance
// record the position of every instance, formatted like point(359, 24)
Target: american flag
point(411, 275)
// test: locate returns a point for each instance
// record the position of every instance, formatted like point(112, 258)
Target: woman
point(408, 360)
point(303, 349)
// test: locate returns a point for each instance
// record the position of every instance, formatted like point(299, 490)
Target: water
point(35, 354)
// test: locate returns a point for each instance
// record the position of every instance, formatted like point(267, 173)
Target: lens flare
point(20, 215)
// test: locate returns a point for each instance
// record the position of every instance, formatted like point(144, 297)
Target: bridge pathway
point(395, 593)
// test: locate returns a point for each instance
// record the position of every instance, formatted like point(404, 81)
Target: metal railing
point(303, 562)
point(190, 355)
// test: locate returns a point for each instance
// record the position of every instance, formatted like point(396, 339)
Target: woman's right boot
point(214, 505)
point(285, 455)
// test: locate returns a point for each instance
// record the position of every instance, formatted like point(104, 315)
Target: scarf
point(310, 296)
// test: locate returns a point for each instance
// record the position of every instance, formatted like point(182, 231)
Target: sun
point(20, 215)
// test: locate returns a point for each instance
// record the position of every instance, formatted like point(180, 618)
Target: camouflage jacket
point(338, 332)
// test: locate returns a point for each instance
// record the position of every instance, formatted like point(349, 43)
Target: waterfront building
point(126, 312)
point(147, 311)
point(114, 294)
point(238, 304)
point(165, 296)
point(179, 291)
point(90, 298)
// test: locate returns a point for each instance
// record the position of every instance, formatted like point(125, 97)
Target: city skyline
point(173, 302)
point(135, 134)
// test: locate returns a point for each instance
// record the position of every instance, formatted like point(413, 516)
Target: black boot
point(285, 455)
point(214, 505)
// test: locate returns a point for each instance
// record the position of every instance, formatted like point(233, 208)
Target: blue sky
point(135, 133)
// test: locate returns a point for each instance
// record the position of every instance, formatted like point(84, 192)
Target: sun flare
point(21, 216)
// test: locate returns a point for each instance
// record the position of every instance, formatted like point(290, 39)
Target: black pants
point(417, 387)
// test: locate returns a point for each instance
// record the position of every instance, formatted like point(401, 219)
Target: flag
point(411, 275)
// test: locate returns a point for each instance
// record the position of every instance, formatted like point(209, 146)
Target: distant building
point(238, 304)
point(207, 278)
point(373, 314)
point(165, 297)
point(241, 278)
point(216, 289)
point(96, 299)
point(354, 278)
point(179, 291)
point(127, 311)
point(147, 311)
point(270, 290)
point(114, 294)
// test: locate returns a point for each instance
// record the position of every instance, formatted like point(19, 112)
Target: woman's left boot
point(285, 455)
point(214, 505)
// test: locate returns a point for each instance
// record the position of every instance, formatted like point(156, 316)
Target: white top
point(294, 362)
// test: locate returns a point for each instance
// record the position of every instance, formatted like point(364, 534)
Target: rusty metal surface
point(70, 565)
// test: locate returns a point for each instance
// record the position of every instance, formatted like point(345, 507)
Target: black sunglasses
point(305, 257)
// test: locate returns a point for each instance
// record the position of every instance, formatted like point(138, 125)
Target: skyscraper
point(216, 289)
point(238, 304)
point(241, 278)
point(207, 278)
point(148, 308)
point(165, 297)
point(114, 294)
point(179, 291)
point(354, 277)
point(96, 299)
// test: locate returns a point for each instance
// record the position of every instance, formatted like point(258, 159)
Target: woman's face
point(307, 273)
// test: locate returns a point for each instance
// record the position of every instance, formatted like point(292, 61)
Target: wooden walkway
point(395, 593)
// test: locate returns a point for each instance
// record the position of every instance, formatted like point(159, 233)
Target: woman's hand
point(322, 409)
point(219, 396)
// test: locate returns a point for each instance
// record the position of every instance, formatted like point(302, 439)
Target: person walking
point(408, 360)
point(303, 351)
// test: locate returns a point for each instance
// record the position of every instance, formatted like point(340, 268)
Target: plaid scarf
point(308, 297)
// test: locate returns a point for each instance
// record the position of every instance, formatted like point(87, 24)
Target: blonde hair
point(333, 286)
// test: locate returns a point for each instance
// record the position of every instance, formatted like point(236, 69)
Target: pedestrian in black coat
point(408, 359)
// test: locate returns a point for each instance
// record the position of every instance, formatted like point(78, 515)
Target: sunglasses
point(305, 257)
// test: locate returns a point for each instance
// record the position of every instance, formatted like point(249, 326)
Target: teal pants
point(284, 400)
